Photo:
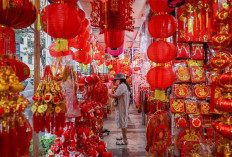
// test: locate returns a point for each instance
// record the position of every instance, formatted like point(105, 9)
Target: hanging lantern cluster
point(15, 130)
point(161, 26)
point(14, 15)
point(221, 41)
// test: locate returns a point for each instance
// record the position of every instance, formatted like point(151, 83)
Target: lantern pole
point(35, 136)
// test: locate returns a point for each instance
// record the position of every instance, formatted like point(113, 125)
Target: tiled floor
point(136, 136)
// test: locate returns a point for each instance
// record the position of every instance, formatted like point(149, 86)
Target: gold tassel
point(147, 155)
point(5, 4)
point(61, 44)
point(160, 94)
point(38, 22)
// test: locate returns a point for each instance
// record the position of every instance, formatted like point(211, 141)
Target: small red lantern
point(160, 77)
point(54, 53)
point(88, 59)
point(161, 52)
point(224, 129)
point(223, 105)
point(220, 61)
point(61, 22)
point(158, 6)
point(162, 26)
point(114, 39)
point(87, 47)
point(225, 81)
point(78, 42)
point(221, 40)
point(80, 56)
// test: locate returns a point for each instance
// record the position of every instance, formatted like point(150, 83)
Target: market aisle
point(136, 136)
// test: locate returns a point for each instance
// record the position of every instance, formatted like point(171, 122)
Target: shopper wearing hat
point(122, 95)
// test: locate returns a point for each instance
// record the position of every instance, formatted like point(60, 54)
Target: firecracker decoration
point(48, 107)
point(15, 130)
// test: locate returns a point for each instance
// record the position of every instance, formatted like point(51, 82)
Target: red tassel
point(12, 139)
point(28, 136)
point(52, 123)
point(57, 122)
point(48, 123)
point(5, 140)
point(213, 87)
point(42, 122)
point(36, 123)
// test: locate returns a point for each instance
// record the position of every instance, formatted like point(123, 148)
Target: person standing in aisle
point(122, 95)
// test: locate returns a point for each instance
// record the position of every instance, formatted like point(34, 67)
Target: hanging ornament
point(54, 53)
point(175, 3)
point(161, 52)
point(158, 6)
point(114, 39)
point(55, 21)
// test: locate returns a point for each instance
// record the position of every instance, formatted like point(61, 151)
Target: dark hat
point(119, 76)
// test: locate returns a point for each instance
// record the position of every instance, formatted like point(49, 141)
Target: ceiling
point(132, 39)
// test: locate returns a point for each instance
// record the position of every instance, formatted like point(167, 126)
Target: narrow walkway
point(135, 134)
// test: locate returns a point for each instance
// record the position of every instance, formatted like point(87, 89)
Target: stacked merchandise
point(200, 98)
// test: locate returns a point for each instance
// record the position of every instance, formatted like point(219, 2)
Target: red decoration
point(81, 14)
point(162, 26)
point(22, 71)
point(117, 12)
point(114, 39)
point(183, 50)
point(181, 121)
point(7, 41)
point(221, 40)
point(55, 21)
point(78, 42)
point(69, 2)
point(160, 77)
point(223, 105)
point(225, 81)
point(197, 51)
point(191, 107)
point(88, 59)
point(196, 122)
point(181, 90)
point(161, 52)
point(177, 105)
point(201, 91)
point(17, 14)
point(220, 61)
point(175, 3)
point(53, 52)
point(224, 129)
point(158, 6)
point(80, 56)
point(197, 74)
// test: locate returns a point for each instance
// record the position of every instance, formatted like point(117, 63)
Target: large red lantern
point(161, 52)
point(160, 77)
point(158, 6)
point(221, 40)
point(18, 14)
point(54, 53)
point(114, 39)
point(162, 26)
point(81, 14)
point(61, 22)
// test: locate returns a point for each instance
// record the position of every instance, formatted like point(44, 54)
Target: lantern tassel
point(5, 4)
point(38, 22)
point(61, 44)
point(159, 94)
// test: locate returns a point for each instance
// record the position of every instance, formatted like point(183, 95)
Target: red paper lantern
point(221, 40)
point(158, 6)
point(86, 35)
point(80, 56)
point(78, 42)
point(61, 22)
point(223, 17)
point(87, 47)
point(161, 52)
point(7, 41)
point(54, 53)
point(114, 39)
point(220, 61)
point(160, 77)
point(18, 14)
point(162, 26)
point(86, 23)
point(88, 59)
